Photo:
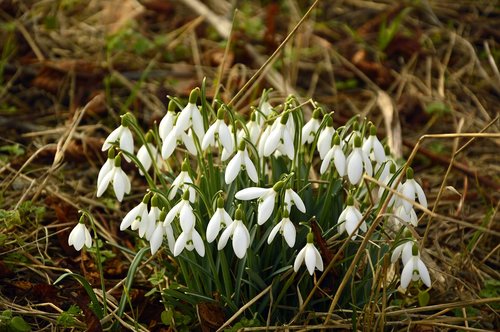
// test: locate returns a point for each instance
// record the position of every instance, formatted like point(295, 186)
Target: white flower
point(80, 236)
point(415, 269)
point(266, 200)
point(240, 161)
point(349, 220)
point(136, 215)
point(410, 189)
point(190, 117)
point(175, 137)
point(183, 182)
point(220, 219)
point(280, 138)
point(218, 131)
point(189, 239)
point(372, 146)
point(123, 135)
point(239, 137)
point(358, 163)
point(121, 183)
point(310, 255)
point(145, 157)
point(167, 122)
point(265, 110)
point(311, 128)
point(286, 228)
point(406, 217)
point(404, 251)
point(325, 138)
point(254, 129)
point(238, 231)
point(147, 226)
point(184, 211)
point(106, 168)
point(337, 155)
point(263, 140)
point(292, 198)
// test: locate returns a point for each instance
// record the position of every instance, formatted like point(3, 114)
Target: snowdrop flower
point(349, 220)
point(325, 137)
point(219, 220)
point(280, 134)
point(410, 189)
point(358, 163)
point(265, 110)
point(239, 232)
point(167, 230)
point(79, 237)
point(311, 128)
point(310, 255)
point(218, 131)
point(184, 211)
point(183, 182)
point(263, 140)
point(406, 217)
point(336, 155)
point(415, 269)
point(190, 116)
point(147, 226)
point(383, 169)
point(266, 198)
point(372, 146)
point(156, 238)
point(286, 228)
point(240, 161)
point(387, 182)
point(405, 251)
point(254, 129)
point(123, 136)
point(121, 183)
point(189, 239)
point(292, 198)
point(107, 167)
point(148, 153)
point(167, 122)
point(135, 216)
point(176, 137)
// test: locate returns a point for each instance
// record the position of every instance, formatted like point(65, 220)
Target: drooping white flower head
point(310, 255)
point(280, 138)
point(167, 122)
point(372, 146)
point(383, 170)
point(107, 167)
point(190, 116)
point(220, 132)
point(404, 251)
point(239, 232)
point(176, 137)
point(349, 220)
point(220, 219)
point(336, 155)
point(411, 189)
point(147, 226)
point(415, 269)
point(156, 238)
point(310, 129)
point(286, 228)
point(135, 216)
point(325, 137)
point(184, 211)
point(266, 198)
point(292, 198)
point(123, 136)
point(240, 161)
point(358, 163)
point(189, 239)
point(79, 237)
point(183, 182)
point(121, 183)
point(254, 129)
point(401, 215)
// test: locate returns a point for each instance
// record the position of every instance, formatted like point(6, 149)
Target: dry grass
point(69, 68)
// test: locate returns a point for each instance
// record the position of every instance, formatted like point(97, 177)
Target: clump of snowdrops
point(233, 200)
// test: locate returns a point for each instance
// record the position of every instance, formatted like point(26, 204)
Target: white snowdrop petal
point(188, 141)
point(130, 217)
point(407, 252)
point(396, 253)
point(240, 243)
point(169, 144)
point(180, 244)
point(105, 169)
point(273, 233)
point(172, 214)
point(288, 144)
point(208, 139)
point(289, 233)
point(186, 217)
point(197, 121)
point(251, 193)
point(299, 259)
point(251, 170)
point(298, 202)
point(184, 117)
point(420, 194)
point(319, 260)
point(233, 168)
point(273, 141)
point(424, 273)
point(339, 161)
point(144, 158)
point(104, 183)
point(119, 186)
point(167, 229)
point(325, 164)
point(156, 239)
point(225, 138)
point(409, 193)
point(407, 273)
point(127, 141)
point(355, 167)
point(367, 163)
point(265, 209)
point(225, 237)
point(378, 151)
point(112, 137)
point(213, 227)
point(198, 243)
point(310, 258)
point(88, 238)
point(351, 222)
point(166, 125)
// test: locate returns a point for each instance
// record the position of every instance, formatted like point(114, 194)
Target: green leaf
point(19, 324)
point(423, 298)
